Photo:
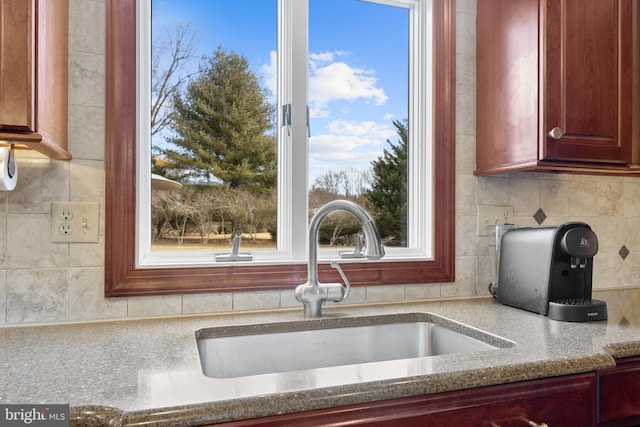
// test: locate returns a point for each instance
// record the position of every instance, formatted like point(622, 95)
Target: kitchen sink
point(239, 351)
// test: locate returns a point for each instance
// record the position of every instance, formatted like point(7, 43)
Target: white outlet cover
point(493, 215)
point(75, 222)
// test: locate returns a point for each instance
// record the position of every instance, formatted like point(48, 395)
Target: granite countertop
point(147, 372)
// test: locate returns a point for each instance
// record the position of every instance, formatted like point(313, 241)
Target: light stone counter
point(147, 372)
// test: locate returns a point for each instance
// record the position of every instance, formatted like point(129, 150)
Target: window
point(132, 271)
point(331, 87)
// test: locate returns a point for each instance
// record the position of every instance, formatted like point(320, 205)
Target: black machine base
point(578, 310)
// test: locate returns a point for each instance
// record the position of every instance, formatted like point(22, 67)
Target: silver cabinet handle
point(556, 133)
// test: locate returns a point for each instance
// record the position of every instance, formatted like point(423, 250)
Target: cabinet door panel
point(563, 401)
point(620, 392)
point(507, 84)
point(16, 65)
point(587, 80)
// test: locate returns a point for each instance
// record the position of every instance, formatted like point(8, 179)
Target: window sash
point(293, 143)
point(124, 279)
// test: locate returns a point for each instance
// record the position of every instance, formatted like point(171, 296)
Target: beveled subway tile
point(385, 293)
point(466, 6)
point(465, 195)
point(465, 74)
point(466, 33)
point(583, 199)
point(465, 114)
point(524, 195)
point(3, 238)
point(39, 183)
point(554, 197)
point(87, 25)
point(29, 243)
point(610, 202)
point(466, 229)
point(87, 180)
point(86, 79)
point(86, 132)
point(631, 198)
point(86, 296)
point(493, 190)
point(609, 271)
point(422, 291)
point(611, 233)
point(3, 297)
point(465, 284)
point(465, 155)
point(157, 305)
point(263, 300)
point(207, 303)
point(36, 296)
point(631, 234)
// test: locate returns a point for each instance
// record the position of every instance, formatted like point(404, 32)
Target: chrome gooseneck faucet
point(314, 294)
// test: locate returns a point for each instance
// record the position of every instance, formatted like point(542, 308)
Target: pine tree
point(388, 193)
point(223, 127)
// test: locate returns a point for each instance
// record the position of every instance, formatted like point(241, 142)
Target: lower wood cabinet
point(561, 401)
point(619, 394)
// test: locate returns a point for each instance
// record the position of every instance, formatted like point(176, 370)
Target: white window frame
point(293, 146)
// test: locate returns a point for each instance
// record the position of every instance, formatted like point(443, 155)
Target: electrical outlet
point(493, 215)
point(75, 222)
point(66, 214)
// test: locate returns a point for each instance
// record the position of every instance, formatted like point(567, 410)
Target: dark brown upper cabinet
point(558, 86)
point(34, 57)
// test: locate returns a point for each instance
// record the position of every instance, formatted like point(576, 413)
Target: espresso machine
point(548, 270)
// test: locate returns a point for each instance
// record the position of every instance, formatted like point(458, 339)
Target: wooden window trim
point(122, 278)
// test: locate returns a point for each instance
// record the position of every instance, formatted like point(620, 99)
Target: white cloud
point(320, 58)
point(340, 81)
point(270, 75)
point(349, 144)
point(330, 143)
point(329, 81)
point(369, 129)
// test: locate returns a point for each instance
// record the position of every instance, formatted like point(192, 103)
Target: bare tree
point(348, 182)
point(169, 59)
point(169, 212)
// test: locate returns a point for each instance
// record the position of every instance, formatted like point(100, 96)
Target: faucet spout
point(314, 294)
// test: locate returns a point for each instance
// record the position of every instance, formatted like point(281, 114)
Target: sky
point(358, 66)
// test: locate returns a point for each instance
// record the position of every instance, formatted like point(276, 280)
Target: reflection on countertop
point(148, 371)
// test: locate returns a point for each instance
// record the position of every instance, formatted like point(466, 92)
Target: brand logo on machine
point(584, 242)
point(34, 415)
point(592, 314)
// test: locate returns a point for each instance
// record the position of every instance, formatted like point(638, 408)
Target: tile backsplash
point(45, 282)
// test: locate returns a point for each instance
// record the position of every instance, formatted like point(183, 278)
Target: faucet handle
point(334, 264)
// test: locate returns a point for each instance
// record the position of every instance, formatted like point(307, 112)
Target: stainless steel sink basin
point(282, 347)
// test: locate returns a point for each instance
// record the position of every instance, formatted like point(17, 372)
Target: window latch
point(357, 252)
point(235, 254)
point(286, 117)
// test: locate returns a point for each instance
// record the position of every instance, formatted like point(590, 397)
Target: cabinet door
point(563, 401)
point(587, 80)
point(619, 394)
point(17, 76)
